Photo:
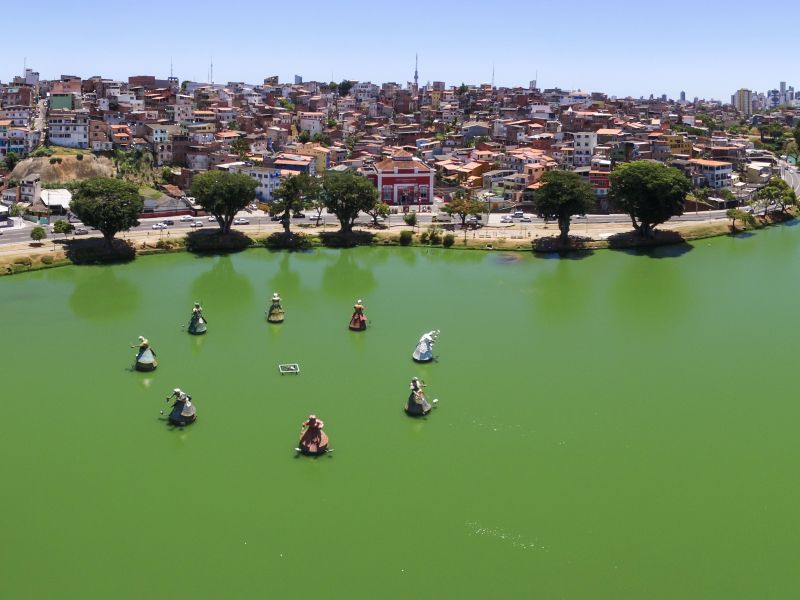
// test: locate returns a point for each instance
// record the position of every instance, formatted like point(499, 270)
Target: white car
point(159, 226)
point(525, 220)
point(187, 218)
point(240, 221)
point(196, 224)
point(212, 219)
point(506, 220)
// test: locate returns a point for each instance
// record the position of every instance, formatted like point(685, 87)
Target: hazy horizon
point(617, 48)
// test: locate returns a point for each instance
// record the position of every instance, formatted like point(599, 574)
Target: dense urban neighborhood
point(433, 148)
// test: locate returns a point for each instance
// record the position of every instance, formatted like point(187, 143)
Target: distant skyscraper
point(298, 79)
point(742, 101)
point(663, 97)
point(683, 96)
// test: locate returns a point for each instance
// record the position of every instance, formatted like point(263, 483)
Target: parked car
point(159, 226)
point(81, 231)
point(517, 214)
point(241, 221)
point(276, 217)
point(187, 218)
point(196, 224)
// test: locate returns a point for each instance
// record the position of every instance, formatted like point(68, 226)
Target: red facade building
point(403, 180)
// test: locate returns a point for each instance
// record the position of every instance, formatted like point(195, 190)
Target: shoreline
point(24, 257)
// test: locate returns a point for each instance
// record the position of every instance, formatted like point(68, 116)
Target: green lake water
point(615, 426)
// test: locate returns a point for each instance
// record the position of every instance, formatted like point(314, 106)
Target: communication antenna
point(492, 75)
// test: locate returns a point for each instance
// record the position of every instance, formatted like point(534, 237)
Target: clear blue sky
point(708, 49)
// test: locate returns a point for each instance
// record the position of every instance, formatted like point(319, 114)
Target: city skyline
point(571, 49)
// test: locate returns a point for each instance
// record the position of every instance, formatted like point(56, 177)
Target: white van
point(517, 214)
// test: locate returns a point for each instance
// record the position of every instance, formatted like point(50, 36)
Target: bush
point(93, 251)
point(79, 156)
point(406, 237)
point(168, 243)
point(211, 241)
point(23, 260)
point(423, 237)
point(287, 241)
point(410, 219)
point(47, 260)
point(53, 161)
point(449, 240)
point(347, 240)
point(435, 234)
point(41, 151)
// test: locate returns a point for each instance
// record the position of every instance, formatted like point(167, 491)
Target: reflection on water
point(222, 280)
point(100, 294)
point(345, 278)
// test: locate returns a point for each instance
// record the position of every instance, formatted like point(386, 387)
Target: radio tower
point(416, 73)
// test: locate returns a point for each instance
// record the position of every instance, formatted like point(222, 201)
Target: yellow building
point(678, 144)
point(321, 155)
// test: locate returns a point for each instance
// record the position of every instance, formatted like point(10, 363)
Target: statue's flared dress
point(183, 413)
point(275, 312)
point(197, 324)
point(358, 322)
point(417, 405)
point(424, 350)
point(146, 360)
point(313, 441)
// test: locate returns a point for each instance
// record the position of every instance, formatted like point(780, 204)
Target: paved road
point(424, 219)
point(791, 176)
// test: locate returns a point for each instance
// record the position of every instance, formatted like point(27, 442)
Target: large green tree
point(223, 194)
point(241, 147)
point(346, 194)
point(463, 206)
point(293, 195)
point(650, 192)
point(38, 234)
point(11, 160)
point(777, 193)
point(110, 205)
point(64, 227)
point(562, 195)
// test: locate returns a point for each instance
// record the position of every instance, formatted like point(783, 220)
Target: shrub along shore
point(24, 257)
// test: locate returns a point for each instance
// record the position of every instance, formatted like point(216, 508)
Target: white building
point(312, 122)
point(585, 143)
point(268, 178)
point(364, 91)
point(715, 174)
point(68, 128)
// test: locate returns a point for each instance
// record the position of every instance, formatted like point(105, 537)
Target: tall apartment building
point(742, 101)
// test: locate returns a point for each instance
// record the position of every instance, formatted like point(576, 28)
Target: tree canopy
point(344, 87)
point(346, 194)
point(562, 195)
point(223, 194)
point(650, 192)
point(38, 234)
point(240, 147)
point(777, 193)
point(463, 206)
point(295, 193)
point(64, 227)
point(110, 205)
